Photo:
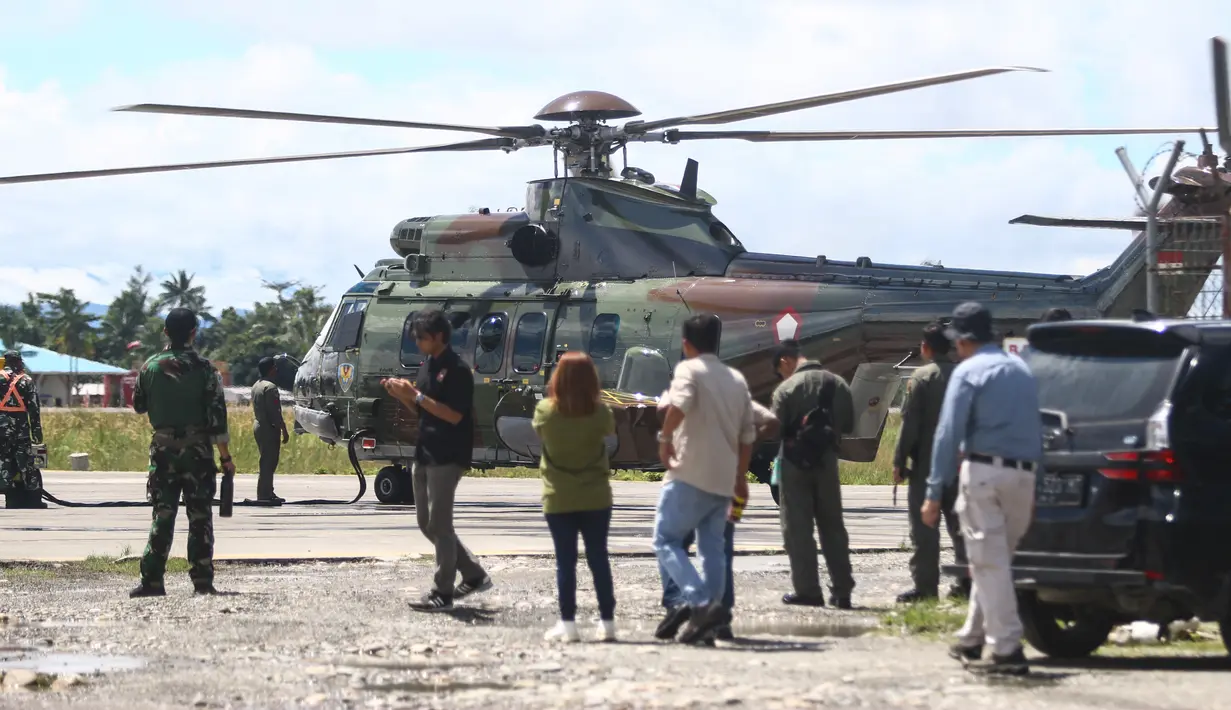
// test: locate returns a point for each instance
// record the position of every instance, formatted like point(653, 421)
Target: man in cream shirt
point(706, 444)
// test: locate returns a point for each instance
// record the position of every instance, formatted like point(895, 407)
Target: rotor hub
point(594, 105)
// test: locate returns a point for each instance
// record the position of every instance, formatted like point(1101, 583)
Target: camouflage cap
point(11, 356)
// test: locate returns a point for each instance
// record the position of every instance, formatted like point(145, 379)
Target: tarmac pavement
point(493, 516)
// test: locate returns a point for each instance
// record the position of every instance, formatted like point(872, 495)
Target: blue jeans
point(682, 509)
point(593, 526)
point(671, 593)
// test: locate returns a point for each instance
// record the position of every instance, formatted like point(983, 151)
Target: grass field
point(119, 441)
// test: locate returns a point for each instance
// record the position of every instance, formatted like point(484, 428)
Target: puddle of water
point(64, 663)
point(796, 628)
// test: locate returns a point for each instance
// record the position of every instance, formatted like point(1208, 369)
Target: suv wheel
point(1062, 631)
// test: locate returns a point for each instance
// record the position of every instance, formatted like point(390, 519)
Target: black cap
point(265, 366)
point(971, 321)
point(11, 356)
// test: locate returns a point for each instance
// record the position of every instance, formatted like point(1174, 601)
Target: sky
point(65, 63)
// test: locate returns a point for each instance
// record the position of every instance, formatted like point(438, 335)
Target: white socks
point(566, 631)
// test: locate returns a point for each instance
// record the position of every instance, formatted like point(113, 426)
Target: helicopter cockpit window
point(489, 353)
point(603, 336)
point(349, 326)
point(645, 371)
point(409, 353)
point(528, 342)
point(460, 320)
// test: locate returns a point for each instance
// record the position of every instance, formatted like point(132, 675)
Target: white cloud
point(498, 63)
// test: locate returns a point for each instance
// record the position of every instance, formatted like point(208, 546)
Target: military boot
point(146, 589)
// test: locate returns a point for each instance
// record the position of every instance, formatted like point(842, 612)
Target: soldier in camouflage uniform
point(20, 426)
point(182, 393)
point(925, 392)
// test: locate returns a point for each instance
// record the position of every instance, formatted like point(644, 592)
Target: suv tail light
point(1158, 437)
point(367, 443)
point(1155, 466)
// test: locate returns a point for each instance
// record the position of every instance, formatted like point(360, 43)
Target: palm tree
point(69, 326)
point(178, 292)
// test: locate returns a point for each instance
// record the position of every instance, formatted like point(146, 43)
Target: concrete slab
point(493, 516)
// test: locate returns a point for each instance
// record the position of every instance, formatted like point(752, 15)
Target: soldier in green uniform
point(925, 392)
point(182, 393)
point(20, 426)
point(269, 429)
point(812, 498)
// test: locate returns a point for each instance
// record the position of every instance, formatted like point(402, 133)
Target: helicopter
point(611, 265)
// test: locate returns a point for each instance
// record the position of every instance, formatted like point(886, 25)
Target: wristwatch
point(419, 398)
point(661, 439)
point(224, 459)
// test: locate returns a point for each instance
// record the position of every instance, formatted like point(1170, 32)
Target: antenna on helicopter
point(361, 274)
point(688, 185)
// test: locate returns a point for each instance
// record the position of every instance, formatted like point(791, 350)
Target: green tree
point(125, 319)
point(70, 328)
point(179, 292)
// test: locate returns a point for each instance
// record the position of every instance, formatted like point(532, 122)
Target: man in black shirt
point(442, 395)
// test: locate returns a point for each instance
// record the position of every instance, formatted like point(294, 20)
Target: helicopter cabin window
point(409, 353)
point(460, 321)
point(348, 328)
point(528, 342)
point(489, 352)
point(645, 371)
point(603, 336)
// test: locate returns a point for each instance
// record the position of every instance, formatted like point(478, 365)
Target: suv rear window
point(1104, 373)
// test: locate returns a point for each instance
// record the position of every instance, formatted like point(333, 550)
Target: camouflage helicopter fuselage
point(613, 268)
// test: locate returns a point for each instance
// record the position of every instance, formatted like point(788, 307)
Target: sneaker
point(966, 654)
point(271, 500)
point(148, 590)
point(204, 589)
point(433, 601)
point(961, 590)
point(841, 602)
point(914, 595)
point(702, 622)
point(801, 600)
point(723, 633)
point(1012, 664)
point(564, 631)
point(672, 622)
point(606, 630)
point(473, 587)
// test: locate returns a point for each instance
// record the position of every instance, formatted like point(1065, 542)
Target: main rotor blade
point(740, 114)
point(1222, 93)
point(481, 144)
point(534, 131)
point(788, 136)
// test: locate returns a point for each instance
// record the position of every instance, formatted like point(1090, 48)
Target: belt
point(1001, 461)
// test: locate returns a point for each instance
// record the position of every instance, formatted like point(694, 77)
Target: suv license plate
point(1060, 490)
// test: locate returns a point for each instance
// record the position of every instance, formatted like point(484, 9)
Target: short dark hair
point(431, 321)
point(1052, 315)
point(265, 366)
point(179, 324)
point(934, 336)
point(788, 349)
point(703, 331)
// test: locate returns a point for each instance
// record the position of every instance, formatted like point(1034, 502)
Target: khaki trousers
point(995, 505)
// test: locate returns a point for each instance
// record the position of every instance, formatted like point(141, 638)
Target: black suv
point(1132, 515)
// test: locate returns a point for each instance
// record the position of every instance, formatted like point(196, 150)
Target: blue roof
point(41, 361)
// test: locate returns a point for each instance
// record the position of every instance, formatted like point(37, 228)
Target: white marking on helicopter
point(786, 325)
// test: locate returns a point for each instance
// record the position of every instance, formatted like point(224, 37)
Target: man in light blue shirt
point(991, 417)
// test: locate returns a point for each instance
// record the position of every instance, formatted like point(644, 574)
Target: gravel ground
point(340, 635)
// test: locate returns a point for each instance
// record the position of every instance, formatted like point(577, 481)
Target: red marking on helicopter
point(787, 325)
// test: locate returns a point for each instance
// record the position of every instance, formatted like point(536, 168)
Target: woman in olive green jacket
point(572, 423)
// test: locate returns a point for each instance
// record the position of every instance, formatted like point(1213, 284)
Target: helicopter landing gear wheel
point(393, 486)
